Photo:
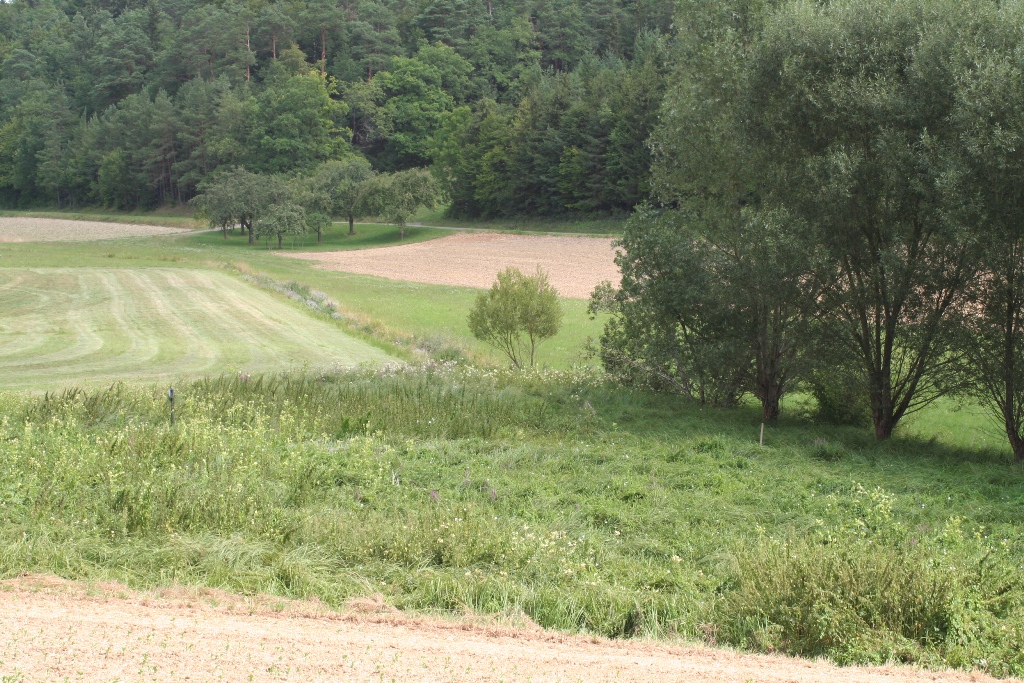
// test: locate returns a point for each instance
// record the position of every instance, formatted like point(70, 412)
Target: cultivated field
point(62, 325)
point(24, 229)
point(57, 631)
point(575, 265)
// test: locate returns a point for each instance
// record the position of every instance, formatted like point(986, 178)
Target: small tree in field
point(517, 314)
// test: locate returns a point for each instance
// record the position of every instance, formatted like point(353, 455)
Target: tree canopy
point(135, 105)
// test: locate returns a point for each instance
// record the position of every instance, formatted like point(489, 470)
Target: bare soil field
point(55, 630)
point(575, 265)
point(19, 229)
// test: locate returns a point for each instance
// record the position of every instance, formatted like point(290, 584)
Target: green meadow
point(305, 462)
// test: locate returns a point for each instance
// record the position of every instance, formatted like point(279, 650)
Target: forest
point(520, 106)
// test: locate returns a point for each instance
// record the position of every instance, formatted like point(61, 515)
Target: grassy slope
point(476, 491)
point(588, 507)
point(335, 238)
point(94, 325)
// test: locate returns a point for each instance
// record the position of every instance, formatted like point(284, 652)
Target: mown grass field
point(92, 325)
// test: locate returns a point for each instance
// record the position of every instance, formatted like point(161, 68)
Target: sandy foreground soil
point(54, 630)
point(19, 229)
point(575, 265)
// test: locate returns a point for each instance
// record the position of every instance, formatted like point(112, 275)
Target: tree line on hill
point(521, 106)
point(838, 193)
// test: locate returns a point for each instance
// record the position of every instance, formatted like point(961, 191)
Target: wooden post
point(762, 434)
point(170, 397)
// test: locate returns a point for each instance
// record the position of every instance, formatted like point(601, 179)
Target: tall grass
point(548, 494)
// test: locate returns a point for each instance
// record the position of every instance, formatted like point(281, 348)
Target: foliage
point(860, 167)
point(240, 197)
point(668, 329)
point(398, 196)
point(575, 143)
point(983, 177)
point(855, 235)
point(280, 219)
point(339, 188)
point(134, 107)
point(517, 314)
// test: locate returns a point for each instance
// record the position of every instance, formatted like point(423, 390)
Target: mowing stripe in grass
point(62, 325)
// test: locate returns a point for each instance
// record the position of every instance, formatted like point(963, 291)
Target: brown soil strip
point(575, 265)
point(26, 229)
point(55, 630)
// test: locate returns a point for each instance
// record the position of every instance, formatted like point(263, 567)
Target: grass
point(585, 506)
point(335, 238)
point(73, 325)
point(433, 315)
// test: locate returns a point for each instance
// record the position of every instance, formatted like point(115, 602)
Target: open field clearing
point(62, 631)
point(63, 325)
point(575, 265)
point(31, 229)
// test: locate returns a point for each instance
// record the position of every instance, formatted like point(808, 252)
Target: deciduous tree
point(517, 314)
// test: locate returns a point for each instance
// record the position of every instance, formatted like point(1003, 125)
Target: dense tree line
point(837, 201)
point(136, 103)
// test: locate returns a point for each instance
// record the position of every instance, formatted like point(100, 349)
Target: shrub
point(516, 314)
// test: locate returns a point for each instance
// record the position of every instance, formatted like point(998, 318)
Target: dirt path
point(53, 630)
point(29, 229)
point(575, 265)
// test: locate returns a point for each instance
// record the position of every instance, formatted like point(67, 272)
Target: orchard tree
point(339, 187)
point(280, 219)
point(517, 314)
point(396, 197)
point(238, 197)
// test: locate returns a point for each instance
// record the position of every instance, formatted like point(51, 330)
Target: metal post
point(170, 397)
point(761, 443)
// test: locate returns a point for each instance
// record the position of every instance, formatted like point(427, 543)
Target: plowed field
point(575, 265)
point(30, 229)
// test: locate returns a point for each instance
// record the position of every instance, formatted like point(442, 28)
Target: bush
point(853, 603)
point(841, 396)
point(516, 314)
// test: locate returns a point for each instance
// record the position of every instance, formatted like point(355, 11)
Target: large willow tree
point(853, 102)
